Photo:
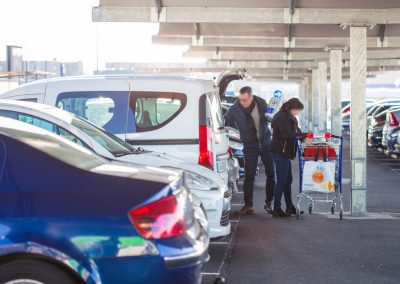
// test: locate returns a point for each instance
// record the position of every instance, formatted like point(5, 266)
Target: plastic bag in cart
point(319, 176)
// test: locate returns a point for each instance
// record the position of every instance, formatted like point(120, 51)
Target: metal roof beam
point(244, 64)
point(246, 15)
point(265, 55)
point(272, 42)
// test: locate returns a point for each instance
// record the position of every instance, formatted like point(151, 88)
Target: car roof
point(388, 101)
point(39, 86)
point(40, 108)
point(116, 76)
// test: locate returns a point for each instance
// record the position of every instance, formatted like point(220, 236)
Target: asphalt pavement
point(318, 248)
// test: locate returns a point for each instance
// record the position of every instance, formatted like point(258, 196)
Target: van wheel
point(27, 271)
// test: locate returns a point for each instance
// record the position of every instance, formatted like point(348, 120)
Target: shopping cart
point(325, 155)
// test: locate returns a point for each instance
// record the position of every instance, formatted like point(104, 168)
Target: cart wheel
point(297, 213)
point(310, 208)
point(333, 208)
point(341, 214)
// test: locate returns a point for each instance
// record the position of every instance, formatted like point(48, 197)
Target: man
point(247, 115)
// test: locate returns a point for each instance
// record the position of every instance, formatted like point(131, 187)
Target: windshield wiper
point(120, 154)
point(138, 150)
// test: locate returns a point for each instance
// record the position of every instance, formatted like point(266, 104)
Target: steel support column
point(315, 105)
point(358, 73)
point(322, 98)
point(336, 94)
point(303, 99)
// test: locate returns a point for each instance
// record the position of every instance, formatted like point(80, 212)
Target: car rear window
point(106, 109)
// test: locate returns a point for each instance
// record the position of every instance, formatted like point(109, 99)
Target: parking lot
point(199, 141)
point(318, 248)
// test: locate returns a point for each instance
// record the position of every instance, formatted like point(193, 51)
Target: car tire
point(29, 271)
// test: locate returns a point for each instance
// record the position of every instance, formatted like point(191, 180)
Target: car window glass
point(57, 148)
point(112, 143)
point(68, 135)
point(214, 111)
point(38, 122)
point(106, 109)
point(397, 114)
point(153, 110)
point(44, 124)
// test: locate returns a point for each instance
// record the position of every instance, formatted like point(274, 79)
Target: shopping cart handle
point(327, 135)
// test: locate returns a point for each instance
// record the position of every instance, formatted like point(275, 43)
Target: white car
point(206, 185)
point(174, 115)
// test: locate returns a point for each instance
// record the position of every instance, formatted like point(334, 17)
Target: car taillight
point(206, 157)
point(160, 219)
point(393, 120)
point(230, 152)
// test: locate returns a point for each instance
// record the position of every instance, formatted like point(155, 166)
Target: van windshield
point(215, 111)
point(69, 153)
point(112, 143)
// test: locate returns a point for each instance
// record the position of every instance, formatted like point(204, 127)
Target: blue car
point(69, 216)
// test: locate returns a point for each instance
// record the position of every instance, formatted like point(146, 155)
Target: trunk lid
point(226, 77)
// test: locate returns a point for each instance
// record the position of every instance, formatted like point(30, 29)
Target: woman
point(283, 149)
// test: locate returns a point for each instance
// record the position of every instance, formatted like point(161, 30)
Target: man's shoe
point(279, 213)
point(268, 208)
point(246, 210)
point(292, 210)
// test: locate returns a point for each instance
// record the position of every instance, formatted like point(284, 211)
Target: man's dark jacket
point(236, 118)
point(285, 129)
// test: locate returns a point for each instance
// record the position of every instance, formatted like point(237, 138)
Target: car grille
point(225, 218)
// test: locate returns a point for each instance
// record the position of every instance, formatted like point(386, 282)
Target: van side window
point(153, 110)
point(106, 109)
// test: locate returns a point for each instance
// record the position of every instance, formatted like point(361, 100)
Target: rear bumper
point(147, 269)
point(215, 204)
point(197, 258)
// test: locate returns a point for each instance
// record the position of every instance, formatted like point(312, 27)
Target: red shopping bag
point(319, 153)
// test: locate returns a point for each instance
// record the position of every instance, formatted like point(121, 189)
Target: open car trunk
point(228, 76)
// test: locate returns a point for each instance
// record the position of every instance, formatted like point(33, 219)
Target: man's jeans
point(284, 180)
point(251, 155)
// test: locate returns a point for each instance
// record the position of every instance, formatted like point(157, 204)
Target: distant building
point(54, 68)
point(34, 70)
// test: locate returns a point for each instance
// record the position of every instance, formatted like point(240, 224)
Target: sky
point(63, 29)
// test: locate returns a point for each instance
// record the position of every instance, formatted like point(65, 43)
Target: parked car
point(346, 105)
point(346, 113)
point(346, 121)
point(204, 184)
point(396, 144)
point(174, 115)
point(391, 121)
point(379, 107)
point(69, 216)
point(375, 130)
point(393, 142)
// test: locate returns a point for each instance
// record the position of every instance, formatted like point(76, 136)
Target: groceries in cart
point(320, 166)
